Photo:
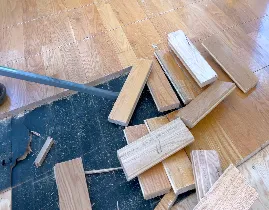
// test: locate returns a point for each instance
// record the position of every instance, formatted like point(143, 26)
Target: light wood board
point(126, 102)
point(206, 170)
point(72, 186)
point(153, 148)
point(154, 181)
point(191, 58)
point(43, 152)
point(178, 166)
point(167, 201)
point(230, 192)
point(187, 203)
point(6, 200)
point(205, 102)
point(228, 59)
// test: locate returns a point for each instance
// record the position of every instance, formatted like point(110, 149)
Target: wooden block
point(191, 58)
point(72, 186)
point(206, 170)
point(186, 204)
point(6, 200)
point(175, 75)
point(43, 152)
point(205, 102)
point(178, 166)
point(230, 192)
point(167, 201)
point(226, 57)
point(125, 104)
point(154, 147)
point(154, 181)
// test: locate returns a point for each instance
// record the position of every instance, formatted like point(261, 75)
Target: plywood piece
point(205, 102)
point(72, 186)
point(43, 152)
point(167, 201)
point(175, 75)
point(187, 203)
point(6, 200)
point(206, 169)
point(230, 192)
point(154, 181)
point(125, 104)
point(153, 148)
point(178, 166)
point(191, 58)
point(256, 172)
point(226, 57)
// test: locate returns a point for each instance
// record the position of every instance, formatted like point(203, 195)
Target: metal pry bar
point(45, 80)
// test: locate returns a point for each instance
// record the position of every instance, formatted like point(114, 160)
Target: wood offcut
point(43, 152)
point(194, 62)
point(153, 148)
point(167, 201)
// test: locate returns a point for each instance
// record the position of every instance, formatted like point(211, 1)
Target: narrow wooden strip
point(72, 186)
point(178, 166)
point(154, 147)
point(125, 104)
point(106, 170)
point(175, 75)
point(167, 201)
point(6, 200)
point(206, 170)
point(186, 204)
point(230, 191)
point(154, 181)
point(43, 152)
point(200, 70)
point(205, 102)
point(228, 59)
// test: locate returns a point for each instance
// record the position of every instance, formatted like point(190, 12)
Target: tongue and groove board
point(154, 181)
point(153, 148)
point(230, 192)
point(72, 186)
point(187, 203)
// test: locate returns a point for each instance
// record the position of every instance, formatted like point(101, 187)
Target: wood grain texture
point(154, 181)
point(43, 152)
point(167, 201)
point(206, 170)
point(205, 102)
point(230, 192)
point(191, 58)
point(125, 104)
point(226, 57)
point(178, 166)
point(175, 75)
point(256, 172)
point(72, 186)
point(187, 203)
point(6, 200)
point(153, 148)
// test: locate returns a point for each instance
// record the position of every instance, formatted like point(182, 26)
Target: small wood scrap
point(126, 102)
point(175, 75)
point(167, 201)
point(44, 151)
point(178, 166)
point(35, 133)
point(206, 169)
point(153, 148)
point(197, 66)
point(230, 62)
point(203, 104)
point(107, 170)
point(154, 181)
point(72, 186)
point(187, 203)
point(230, 192)
point(6, 200)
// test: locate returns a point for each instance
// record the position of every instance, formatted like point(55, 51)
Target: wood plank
point(153, 148)
point(230, 192)
point(191, 58)
point(43, 152)
point(72, 186)
point(186, 204)
point(167, 201)
point(256, 171)
point(178, 166)
point(154, 181)
point(206, 169)
point(175, 75)
point(6, 200)
point(226, 57)
point(125, 104)
point(205, 102)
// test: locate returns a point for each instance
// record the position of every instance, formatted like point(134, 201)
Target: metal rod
point(37, 78)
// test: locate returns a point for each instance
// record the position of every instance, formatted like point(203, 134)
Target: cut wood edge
point(167, 201)
point(43, 152)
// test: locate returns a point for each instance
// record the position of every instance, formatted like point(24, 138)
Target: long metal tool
point(37, 78)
